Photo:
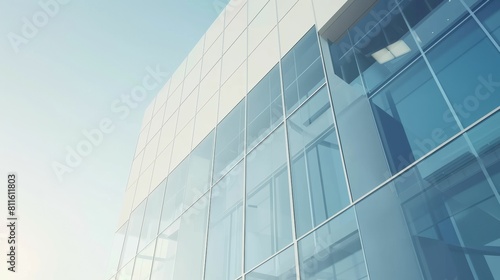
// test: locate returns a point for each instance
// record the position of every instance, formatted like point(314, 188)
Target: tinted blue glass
point(302, 71)
point(174, 194)
point(431, 20)
point(412, 116)
point(333, 251)
point(383, 45)
point(280, 267)
point(490, 17)
point(225, 229)
point(229, 142)
point(486, 140)
point(318, 181)
point(268, 226)
point(265, 107)
point(200, 170)
point(450, 208)
point(466, 64)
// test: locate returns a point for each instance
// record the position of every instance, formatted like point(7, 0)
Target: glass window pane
point(116, 249)
point(181, 247)
point(383, 45)
point(430, 20)
point(412, 116)
point(466, 64)
point(191, 241)
point(318, 181)
point(333, 251)
point(302, 71)
point(143, 263)
point(152, 216)
point(133, 233)
point(486, 141)
point(174, 194)
point(126, 272)
point(200, 170)
point(225, 230)
point(166, 250)
point(490, 17)
point(265, 109)
point(268, 218)
point(280, 267)
point(229, 142)
point(446, 208)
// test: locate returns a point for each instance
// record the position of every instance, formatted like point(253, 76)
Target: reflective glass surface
point(302, 71)
point(143, 263)
point(264, 107)
point(229, 141)
point(152, 216)
point(116, 249)
point(280, 267)
point(225, 230)
point(444, 211)
point(174, 194)
point(333, 251)
point(133, 233)
point(466, 64)
point(318, 181)
point(200, 170)
point(489, 15)
point(407, 131)
point(268, 219)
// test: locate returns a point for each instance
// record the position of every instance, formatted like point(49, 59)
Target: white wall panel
point(148, 114)
point(156, 123)
point(161, 98)
point(214, 31)
point(187, 111)
point(209, 85)
point(206, 119)
point(263, 59)
point(160, 170)
point(235, 28)
point(192, 81)
point(167, 133)
point(135, 169)
point(233, 7)
point(173, 103)
point(143, 139)
point(128, 201)
point(234, 57)
point(255, 6)
point(284, 6)
point(295, 24)
point(182, 145)
point(210, 58)
point(262, 25)
point(178, 76)
point(150, 152)
point(195, 55)
point(232, 91)
point(143, 186)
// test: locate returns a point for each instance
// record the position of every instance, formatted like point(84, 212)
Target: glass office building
point(321, 139)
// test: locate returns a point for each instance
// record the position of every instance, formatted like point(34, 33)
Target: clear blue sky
point(61, 81)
